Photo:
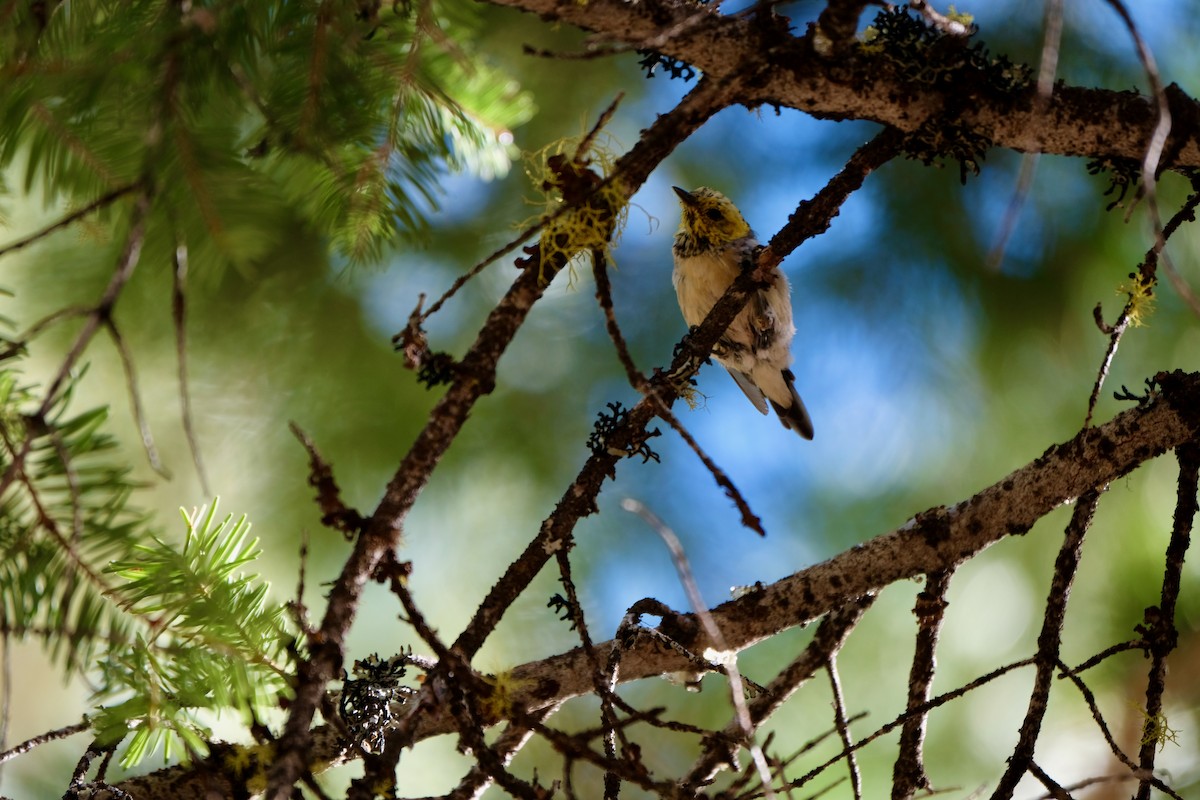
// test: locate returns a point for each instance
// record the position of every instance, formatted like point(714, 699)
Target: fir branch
point(63, 510)
point(213, 641)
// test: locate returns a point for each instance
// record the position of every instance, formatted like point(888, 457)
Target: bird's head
point(710, 216)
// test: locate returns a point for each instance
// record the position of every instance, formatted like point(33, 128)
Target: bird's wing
point(753, 392)
point(760, 319)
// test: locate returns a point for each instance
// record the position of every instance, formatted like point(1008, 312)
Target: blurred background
point(929, 373)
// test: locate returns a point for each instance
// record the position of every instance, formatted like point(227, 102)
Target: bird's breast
point(700, 280)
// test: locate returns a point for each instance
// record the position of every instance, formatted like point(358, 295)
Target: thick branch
point(1077, 121)
point(937, 539)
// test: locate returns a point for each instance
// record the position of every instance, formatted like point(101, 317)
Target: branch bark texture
point(786, 71)
point(937, 539)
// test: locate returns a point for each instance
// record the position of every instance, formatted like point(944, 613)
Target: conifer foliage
point(190, 141)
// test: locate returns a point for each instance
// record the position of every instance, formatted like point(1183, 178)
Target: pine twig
point(737, 690)
point(334, 512)
point(605, 690)
point(1090, 700)
point(179, 319)
point(100, 202)
point(899, 721)
point(1155, 148)
point(828, 640)
point(1049, 642)
point(1148, 278)
point(1047, 70)
point(843, 727)
point(908, 772)
point(42, 738)
point(135, 400)
point(1159, 629)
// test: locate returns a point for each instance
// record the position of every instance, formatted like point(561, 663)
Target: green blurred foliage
point(930, 374)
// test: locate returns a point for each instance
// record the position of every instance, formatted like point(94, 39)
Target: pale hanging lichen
point(584, 207)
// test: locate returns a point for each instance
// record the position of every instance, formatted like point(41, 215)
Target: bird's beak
point(685, 197)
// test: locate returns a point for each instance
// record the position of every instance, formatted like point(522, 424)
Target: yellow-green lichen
point(584, 209)
point(1140, 292)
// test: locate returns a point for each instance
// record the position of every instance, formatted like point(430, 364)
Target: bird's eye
point(714, 214)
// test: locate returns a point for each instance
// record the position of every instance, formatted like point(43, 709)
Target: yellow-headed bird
point(712, 243)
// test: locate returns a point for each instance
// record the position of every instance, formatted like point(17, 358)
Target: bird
point(712, 243)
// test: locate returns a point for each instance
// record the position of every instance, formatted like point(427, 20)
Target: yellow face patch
point(711, 217)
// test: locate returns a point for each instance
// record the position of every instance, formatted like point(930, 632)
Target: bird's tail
point(794, 416)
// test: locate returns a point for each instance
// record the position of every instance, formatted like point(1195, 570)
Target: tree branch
point(474, 378)
point(1076, 121)
point(1049, 645)
point(937, 539)
point(908, 773)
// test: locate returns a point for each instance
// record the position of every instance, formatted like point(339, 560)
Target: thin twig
point(1049, 643)
point(1097, 717)
point(1154, 150)
point(1096, 780)
point(1047, 70)
point(728, 657)
point(1053, 788)
point(1108, 652)
point(179, 318)
point(42, 738)
point(507, 745)
point(126, 263)
point(1159, 627)
point(908, 772)
point(98, 203)
point(130, 253)
point(17, 344)
point(464, 689)
point(749, 518)
point(925, 708)
point(537, 225)
point(140, 420)
point(1115, 332)
point(604, 687)
point(813, 217)
point(334, 512)
point(48, 523)
point(604, 297)
point(573, 748)
point(843, 727)
point(829, 638)
point(1148, 278)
